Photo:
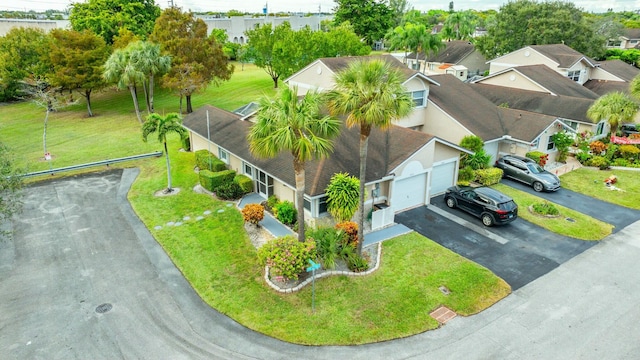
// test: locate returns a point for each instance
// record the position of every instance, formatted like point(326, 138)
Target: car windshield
point(535, 168)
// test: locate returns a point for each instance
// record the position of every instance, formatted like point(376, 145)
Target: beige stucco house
point(405, 168)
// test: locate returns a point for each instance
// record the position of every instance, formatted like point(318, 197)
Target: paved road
point(79, 245)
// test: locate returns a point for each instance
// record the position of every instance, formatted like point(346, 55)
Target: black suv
point(491, 206)
point(529, 172)
point(628, 129)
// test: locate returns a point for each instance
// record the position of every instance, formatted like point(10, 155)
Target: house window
point(633, 41)
point(247, 169)
point(223, 155)
point(600, 128)
point(418, 98)
point(574, 75)
point(415, 65)
point(322, 205)
point(550, 144)
point(571, 124)
point(307, 204)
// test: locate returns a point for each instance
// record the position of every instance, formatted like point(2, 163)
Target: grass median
point(581, 227)
point(588, 181)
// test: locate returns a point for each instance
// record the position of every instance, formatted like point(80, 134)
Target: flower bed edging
point(321, 275)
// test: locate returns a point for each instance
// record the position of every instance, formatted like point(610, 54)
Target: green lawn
point(591, 182)
point(584, 228)
point(217, 257)
point(74, 138)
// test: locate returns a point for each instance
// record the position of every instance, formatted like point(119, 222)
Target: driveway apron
point(529, 253)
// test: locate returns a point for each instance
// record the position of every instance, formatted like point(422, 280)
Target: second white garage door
point(409, 192)
point(443, 176)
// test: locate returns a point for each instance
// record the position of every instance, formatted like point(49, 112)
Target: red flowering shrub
point(253, 213)
point(351, 229)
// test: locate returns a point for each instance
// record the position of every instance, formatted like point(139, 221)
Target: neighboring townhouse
point(457, 110)
point(558, 57)
point(459, 58)
point(539, 78)
point(405, 168)
point(629, 39)
point(452, 109)
point(572, 111)
point(612, 75)
point(319, 75)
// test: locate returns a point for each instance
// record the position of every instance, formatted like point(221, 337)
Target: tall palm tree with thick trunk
point(164, 125)
point(290, 124)
point(147, 58)
point(371, 94)
point(616, 107)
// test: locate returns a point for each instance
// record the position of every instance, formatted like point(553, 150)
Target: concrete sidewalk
point(277, 229)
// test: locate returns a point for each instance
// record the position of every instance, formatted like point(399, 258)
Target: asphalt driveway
point(618, 216)
point(78, 245)
point(519, 252)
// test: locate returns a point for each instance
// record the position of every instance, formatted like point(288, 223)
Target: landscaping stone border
point(321, 275)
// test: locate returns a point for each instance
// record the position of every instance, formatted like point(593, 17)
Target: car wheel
point(450, 202)
point(537, 186)
point(487, 220)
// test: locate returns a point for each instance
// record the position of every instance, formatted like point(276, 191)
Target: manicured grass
point(74, 138)
point(217, 257)
point(591, 182)
point(585, 227)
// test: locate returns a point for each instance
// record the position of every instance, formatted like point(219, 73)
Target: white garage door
point(442, 177)
point(409, 192)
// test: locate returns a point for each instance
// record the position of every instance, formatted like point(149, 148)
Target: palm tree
point(146, 58)
point(459, 26)
point(616, 107)
point(120, 70)
point(289, 124)
point(370, 93)
point(163, 125)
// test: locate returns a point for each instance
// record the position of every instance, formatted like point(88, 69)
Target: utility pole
point(170, 3)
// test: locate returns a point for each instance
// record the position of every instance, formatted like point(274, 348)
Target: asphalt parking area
point(527, 252)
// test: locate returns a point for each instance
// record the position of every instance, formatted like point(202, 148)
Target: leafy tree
point(10, 186)
point(370, 93)
point(615, 107)
point(124, 38)
point(343, 196)
point(281, 52)
point(197, 59)
point(472, 142)
point(146, 58)
point(289, 124)
point(527, 22)
point(459, 25)
point(120, 69)
point(106, 17)
point(77, 59)
point(163, 126)
point(399, 8)
point(23, 55)
point(371, 19)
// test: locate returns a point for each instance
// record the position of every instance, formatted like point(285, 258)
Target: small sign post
point(313, 269)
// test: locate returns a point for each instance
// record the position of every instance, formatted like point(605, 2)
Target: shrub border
point(321, 275)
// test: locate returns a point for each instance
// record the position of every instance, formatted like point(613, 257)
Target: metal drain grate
point(103, 308)
point(570, 220)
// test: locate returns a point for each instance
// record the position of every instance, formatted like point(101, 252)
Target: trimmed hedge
point(489, 176)
point(221, 178)
point(205, 177)
point(245, 183)
point(204, 158)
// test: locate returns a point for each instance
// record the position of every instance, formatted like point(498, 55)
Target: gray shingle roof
point(481, 116)
point(336, 64)
point(602, 87)
point(555, 82)
point(454, 52)
point(562, 54)
point(566, 107)
point(631, 33)
point(229, 132)
point(620, 69)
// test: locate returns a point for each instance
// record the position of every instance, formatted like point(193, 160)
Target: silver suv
point(529, 172)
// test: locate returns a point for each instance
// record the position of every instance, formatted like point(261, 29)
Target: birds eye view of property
point(350, 178)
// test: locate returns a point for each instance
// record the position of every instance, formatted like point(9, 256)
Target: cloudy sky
point(312, 6)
